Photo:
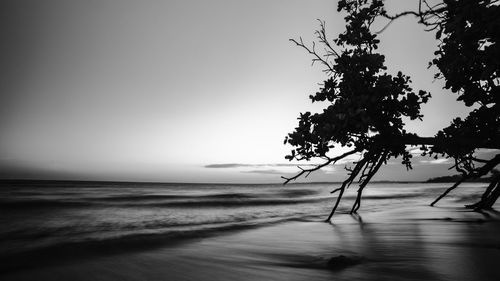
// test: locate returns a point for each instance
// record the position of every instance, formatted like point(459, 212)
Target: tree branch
point(373, 170)
point(317, 57)
point(346, 184)
point(476, 173)
point(319, 166)
point(424, 16)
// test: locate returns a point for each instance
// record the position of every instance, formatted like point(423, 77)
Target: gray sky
point(157, 90)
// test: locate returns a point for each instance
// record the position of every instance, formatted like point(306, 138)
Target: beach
point(409, 241)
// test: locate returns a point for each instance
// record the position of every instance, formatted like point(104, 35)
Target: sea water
point(44, 215)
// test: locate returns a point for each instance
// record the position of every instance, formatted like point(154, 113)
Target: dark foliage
point(365, 105)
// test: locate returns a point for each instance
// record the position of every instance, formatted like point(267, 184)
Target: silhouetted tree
point(365, 105)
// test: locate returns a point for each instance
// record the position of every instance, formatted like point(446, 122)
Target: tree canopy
point(365, 105)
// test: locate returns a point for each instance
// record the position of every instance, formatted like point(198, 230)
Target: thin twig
point(319, 166)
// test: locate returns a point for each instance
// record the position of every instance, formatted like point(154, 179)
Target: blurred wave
point(39, 216)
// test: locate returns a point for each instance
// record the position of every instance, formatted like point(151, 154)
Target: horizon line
point(173, 182)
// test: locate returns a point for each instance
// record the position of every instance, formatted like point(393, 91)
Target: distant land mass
point(455, 178)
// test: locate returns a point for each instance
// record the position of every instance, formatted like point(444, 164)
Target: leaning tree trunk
point(489, 197)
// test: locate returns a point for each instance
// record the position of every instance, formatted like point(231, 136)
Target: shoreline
point(412, 243)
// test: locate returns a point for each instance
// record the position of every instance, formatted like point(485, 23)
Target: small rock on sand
point(341, 262)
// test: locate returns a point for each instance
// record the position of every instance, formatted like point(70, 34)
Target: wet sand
point(418, 243)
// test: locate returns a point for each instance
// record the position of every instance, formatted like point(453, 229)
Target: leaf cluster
point(365, 105)
point(468, 58)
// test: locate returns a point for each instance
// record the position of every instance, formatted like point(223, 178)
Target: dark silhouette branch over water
point(365, 105)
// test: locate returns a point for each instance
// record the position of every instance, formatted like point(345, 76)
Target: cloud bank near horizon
point(424, 167)
point(240, 165)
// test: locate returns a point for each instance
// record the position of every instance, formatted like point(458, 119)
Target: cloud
point(266, 169)
point(227, 165)
point(436, 161)
point(238, 165)
point(267, 172)
point(415, 151)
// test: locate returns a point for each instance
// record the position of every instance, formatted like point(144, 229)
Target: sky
point(179, 91)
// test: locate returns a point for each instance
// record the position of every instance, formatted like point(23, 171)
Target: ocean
point(70, 218)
